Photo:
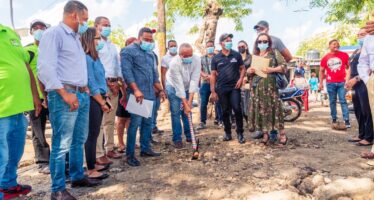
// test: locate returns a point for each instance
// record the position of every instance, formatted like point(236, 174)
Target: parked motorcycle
point(291, 105)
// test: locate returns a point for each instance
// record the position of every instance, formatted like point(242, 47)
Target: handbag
point(280, 78)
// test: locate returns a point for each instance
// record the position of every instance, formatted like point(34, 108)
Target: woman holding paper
point(91, 43)
point(265, 109)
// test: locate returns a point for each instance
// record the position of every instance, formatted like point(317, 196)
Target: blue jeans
point(176, 114)
point(145, 125)
point(218, 109)
point(204, 100)
point(70, 130)
point(156, 107)
point(12, 143)
point(334, 90)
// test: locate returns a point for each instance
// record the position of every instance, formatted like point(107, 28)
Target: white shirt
point(184, 77)
point(165, 62)
point(366, 61)
point(110, 58)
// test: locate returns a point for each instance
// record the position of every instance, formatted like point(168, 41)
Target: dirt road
point(315, 161)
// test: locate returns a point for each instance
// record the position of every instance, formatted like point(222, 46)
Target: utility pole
point(161, 34)
point(11, 13)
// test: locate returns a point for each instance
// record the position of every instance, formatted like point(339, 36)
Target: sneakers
point(201, 126)
point(178, 145)
point(62, 195)
point(220, 125)
point(16, 191)
point(347, 124)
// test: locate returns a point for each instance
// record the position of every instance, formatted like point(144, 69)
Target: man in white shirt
point(172, 52)
point(365, 69)
point(182, 80)
point(110, 58)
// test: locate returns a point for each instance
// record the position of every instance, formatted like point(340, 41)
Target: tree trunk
point(209, 27)
point(161, 34)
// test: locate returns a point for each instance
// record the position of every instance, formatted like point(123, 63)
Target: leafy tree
point(118, 37)
point(211, 11)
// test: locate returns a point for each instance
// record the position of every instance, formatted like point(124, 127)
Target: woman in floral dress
point(266, 108)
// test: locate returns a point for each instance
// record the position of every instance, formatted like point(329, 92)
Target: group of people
point(74, 75)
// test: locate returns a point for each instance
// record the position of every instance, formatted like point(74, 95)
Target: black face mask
point(242, 50)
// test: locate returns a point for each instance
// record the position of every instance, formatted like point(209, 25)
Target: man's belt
point(112, 79)
point(76, 88)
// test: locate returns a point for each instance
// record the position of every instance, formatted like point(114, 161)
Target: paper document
point(259, 63)
point(145, 109)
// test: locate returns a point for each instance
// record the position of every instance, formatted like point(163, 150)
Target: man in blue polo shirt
point(226, 79)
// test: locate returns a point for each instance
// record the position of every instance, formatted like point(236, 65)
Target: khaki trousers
point(107, 129)
point(370, 88)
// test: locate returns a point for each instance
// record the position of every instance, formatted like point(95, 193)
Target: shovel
point(195, 141)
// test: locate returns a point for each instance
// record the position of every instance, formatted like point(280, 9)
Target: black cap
point(38, 22)
point(262, 23)
point(224, 36)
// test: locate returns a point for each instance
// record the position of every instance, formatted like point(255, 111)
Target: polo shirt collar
point(67, 29)
point(230, 54)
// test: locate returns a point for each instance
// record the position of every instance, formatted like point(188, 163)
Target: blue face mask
point(153, 46)
point(105, 32)
point(210, 50)
point(173, 50)
point(187, 60)
point(228, 45)
point(263, 46)
point(147, 46)
point(38, 34)
point(361, 41)
point(82, 28)
point(100, 45)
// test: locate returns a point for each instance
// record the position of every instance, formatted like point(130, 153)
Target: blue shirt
point(96, 76)
point(61, 58)
point(138, 66)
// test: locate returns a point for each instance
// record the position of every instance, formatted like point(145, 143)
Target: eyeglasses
point(97, 38)
point(262, 41)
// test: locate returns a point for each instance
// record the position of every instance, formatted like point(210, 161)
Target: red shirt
point(335, 64)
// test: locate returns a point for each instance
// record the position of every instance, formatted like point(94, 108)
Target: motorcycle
point(292, 104)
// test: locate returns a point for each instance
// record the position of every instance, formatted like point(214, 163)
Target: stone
point(260, 174)
point(318, 180)
point(344, 187)
point(276, 195)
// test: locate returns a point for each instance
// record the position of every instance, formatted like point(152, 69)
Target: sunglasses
point(262, 41)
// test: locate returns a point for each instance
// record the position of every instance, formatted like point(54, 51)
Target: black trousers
point(362, 112)
point(41, 147)
point(95, 118)
point(230, 100)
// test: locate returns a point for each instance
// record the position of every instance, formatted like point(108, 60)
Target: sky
point(292, 27)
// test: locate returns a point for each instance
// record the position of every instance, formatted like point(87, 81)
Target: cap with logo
point(262, 24)
point(38, 22)
point(224, 36)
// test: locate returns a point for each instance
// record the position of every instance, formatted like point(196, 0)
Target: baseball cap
point(38, 22)
point(262, 23)
point(224, 36)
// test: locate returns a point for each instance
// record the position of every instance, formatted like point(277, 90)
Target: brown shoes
point(103, 161)
point(113, 155)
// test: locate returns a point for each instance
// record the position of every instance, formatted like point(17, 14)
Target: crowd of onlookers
point(73, 75)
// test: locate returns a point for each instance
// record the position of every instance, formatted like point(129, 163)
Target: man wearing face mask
point(165, 62)
point(206, 61)
point(41, 147)
point(361, 98)
point(227, 76)
point(62, 68)
point(263, 27)
point(141, 76)
point(110, 58)
point(182, 81)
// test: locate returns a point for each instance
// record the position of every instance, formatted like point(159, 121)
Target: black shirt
point(228, 69)
point(353, 63)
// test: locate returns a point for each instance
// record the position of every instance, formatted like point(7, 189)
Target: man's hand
point(349, 84)
point(162, 95)
point(114, 87)
point(186, 108)
point(37, 105)
point(72, 100)
point(45, 103)
point(214, 97)
point(239, 83)
point(139, 96)
point(105, 108)
point(320, 86)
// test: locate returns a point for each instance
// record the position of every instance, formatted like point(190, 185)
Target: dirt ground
point(314, 159)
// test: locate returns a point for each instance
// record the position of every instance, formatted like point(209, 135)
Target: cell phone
point(108, 104)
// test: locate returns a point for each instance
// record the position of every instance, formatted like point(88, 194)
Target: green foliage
point(346, 11)
point(195, 9)
point(118, 37)
point(345, 33)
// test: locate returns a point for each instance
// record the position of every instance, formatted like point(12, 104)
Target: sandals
point(368, 155)
point(363, 144)
point(285, 141)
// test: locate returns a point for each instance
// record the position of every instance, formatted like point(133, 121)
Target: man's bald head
point(185, 50)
